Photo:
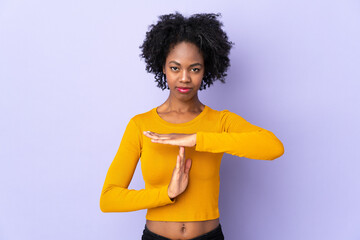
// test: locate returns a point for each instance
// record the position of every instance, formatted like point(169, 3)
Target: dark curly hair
point(204, 30)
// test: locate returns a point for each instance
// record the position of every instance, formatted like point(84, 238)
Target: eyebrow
point(192, 65)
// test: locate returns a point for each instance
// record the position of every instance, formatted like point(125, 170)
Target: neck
point(192, 105)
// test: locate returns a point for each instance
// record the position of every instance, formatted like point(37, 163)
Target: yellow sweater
point(217, 132)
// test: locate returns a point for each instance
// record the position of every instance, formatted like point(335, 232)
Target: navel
point(183, 228)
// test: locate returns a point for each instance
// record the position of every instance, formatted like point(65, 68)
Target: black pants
point(215, 234)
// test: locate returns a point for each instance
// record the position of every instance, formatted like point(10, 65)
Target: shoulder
point(224, 114)
point(144, 117)
point(225, 118)
point(228, 120)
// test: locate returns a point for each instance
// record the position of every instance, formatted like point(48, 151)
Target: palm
point(180, 176)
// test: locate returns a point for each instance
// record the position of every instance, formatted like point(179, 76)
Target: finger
point(182, 151)
point(181, 155)
point(148, 133)
point(178, 162)
point(179, 150)
point(181, 163)
point(160, 135)
point(187, 166)
point(163, 141)
point(151, 134)
point(183, 158)
point(157, 136)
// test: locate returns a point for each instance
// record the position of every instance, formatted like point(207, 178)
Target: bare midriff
point(182, 230)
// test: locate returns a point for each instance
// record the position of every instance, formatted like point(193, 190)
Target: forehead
point(185, 52)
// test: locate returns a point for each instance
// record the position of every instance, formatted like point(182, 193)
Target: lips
point(183, 89)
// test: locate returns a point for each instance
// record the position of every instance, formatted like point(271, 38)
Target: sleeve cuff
point(199, 141)
point(164, 195)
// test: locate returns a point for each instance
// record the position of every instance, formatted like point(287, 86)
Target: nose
point(185, 76)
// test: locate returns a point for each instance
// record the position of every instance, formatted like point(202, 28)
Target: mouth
point(183, 90)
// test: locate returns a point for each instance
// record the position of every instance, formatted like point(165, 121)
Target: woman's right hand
point(180, 176)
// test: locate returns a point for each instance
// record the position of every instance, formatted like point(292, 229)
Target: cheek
point(169, 79)
point(199, 79)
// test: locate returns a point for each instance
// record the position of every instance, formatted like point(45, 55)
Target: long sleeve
point(115, 195)
point(241, 138)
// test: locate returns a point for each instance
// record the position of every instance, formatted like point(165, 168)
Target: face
point(184, 70)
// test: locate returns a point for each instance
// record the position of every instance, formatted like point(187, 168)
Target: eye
point(174, 68)
point(196, 69)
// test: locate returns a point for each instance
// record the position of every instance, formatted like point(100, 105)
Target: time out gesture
point(180, 176)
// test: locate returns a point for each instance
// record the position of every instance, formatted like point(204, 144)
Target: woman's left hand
point(178, 139)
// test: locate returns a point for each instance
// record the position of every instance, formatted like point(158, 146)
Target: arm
point(115, 195)
point(240, 138)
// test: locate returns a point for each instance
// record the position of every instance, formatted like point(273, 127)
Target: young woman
point(181, 142)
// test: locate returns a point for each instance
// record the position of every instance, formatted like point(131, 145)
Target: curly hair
point(203, 30)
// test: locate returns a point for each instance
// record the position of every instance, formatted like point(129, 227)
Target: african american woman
point(182, 141)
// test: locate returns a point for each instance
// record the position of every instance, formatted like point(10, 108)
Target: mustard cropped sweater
point(217, 132)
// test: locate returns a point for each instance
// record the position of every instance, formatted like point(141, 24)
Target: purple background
point(71, 78)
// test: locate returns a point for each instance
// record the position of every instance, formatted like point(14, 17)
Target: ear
point(164, 69)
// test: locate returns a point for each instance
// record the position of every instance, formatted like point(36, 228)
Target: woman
point(182, 141)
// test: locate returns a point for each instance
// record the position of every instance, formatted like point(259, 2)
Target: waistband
point(213, 233)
